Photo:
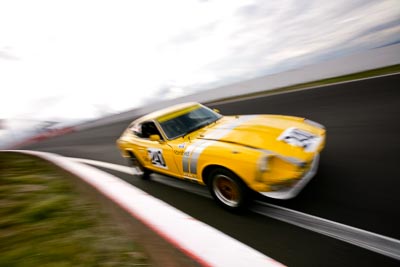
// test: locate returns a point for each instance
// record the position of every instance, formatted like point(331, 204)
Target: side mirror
point(217, 110)
point(155, 137)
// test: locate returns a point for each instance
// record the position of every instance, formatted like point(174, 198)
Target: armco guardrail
point(363, 61)
point(169, 236)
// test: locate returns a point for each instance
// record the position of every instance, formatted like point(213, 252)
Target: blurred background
point(67, 62)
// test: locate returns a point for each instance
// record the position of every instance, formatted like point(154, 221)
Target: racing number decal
point(296, 137)
point(156, 157)
point(300, 138)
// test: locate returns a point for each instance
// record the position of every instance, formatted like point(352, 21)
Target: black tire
point(228, 190)
point(139, 169)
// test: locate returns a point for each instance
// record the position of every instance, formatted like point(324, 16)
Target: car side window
point(149, 128)
point(136, 130)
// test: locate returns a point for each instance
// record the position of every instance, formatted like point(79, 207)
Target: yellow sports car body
point(234, 156)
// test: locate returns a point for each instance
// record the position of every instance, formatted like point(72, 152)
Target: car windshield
point(188, 122)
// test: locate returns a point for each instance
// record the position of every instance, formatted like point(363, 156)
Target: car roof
point(167, 110)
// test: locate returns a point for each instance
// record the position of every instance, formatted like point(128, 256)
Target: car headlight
point(313, 123)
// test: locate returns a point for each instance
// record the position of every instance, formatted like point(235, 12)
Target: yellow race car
point(234, 156)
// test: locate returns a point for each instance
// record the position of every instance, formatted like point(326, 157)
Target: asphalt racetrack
point(357, 184)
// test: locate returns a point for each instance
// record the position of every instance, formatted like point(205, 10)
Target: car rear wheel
point(138, 168)
point(228, 190)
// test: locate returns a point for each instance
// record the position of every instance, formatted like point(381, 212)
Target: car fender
point(241, 161)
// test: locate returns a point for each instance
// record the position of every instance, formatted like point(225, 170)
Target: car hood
point(265, 132)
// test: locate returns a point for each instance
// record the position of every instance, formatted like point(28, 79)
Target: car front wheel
point(138, 168)
point(228, 190)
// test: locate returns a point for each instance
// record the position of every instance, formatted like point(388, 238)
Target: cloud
point(265, 37)
point(193, 35)
point(123, 55)
point(7, 55)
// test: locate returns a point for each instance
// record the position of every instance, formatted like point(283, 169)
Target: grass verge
point(46, 221)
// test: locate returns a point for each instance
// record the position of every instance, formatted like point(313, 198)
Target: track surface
point(357, 183)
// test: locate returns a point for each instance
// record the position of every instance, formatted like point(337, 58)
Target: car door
point(157, 155)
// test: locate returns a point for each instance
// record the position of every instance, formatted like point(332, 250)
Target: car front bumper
point(291, 192)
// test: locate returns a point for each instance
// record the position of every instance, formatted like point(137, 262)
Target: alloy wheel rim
point(227, 190)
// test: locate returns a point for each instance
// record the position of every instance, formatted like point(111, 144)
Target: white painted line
point(172, 182)
point(378, 243)
point(204, 244)
point(194, 188)
point(106, 165)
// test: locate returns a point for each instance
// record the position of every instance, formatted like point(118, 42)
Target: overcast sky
point(81, 59)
